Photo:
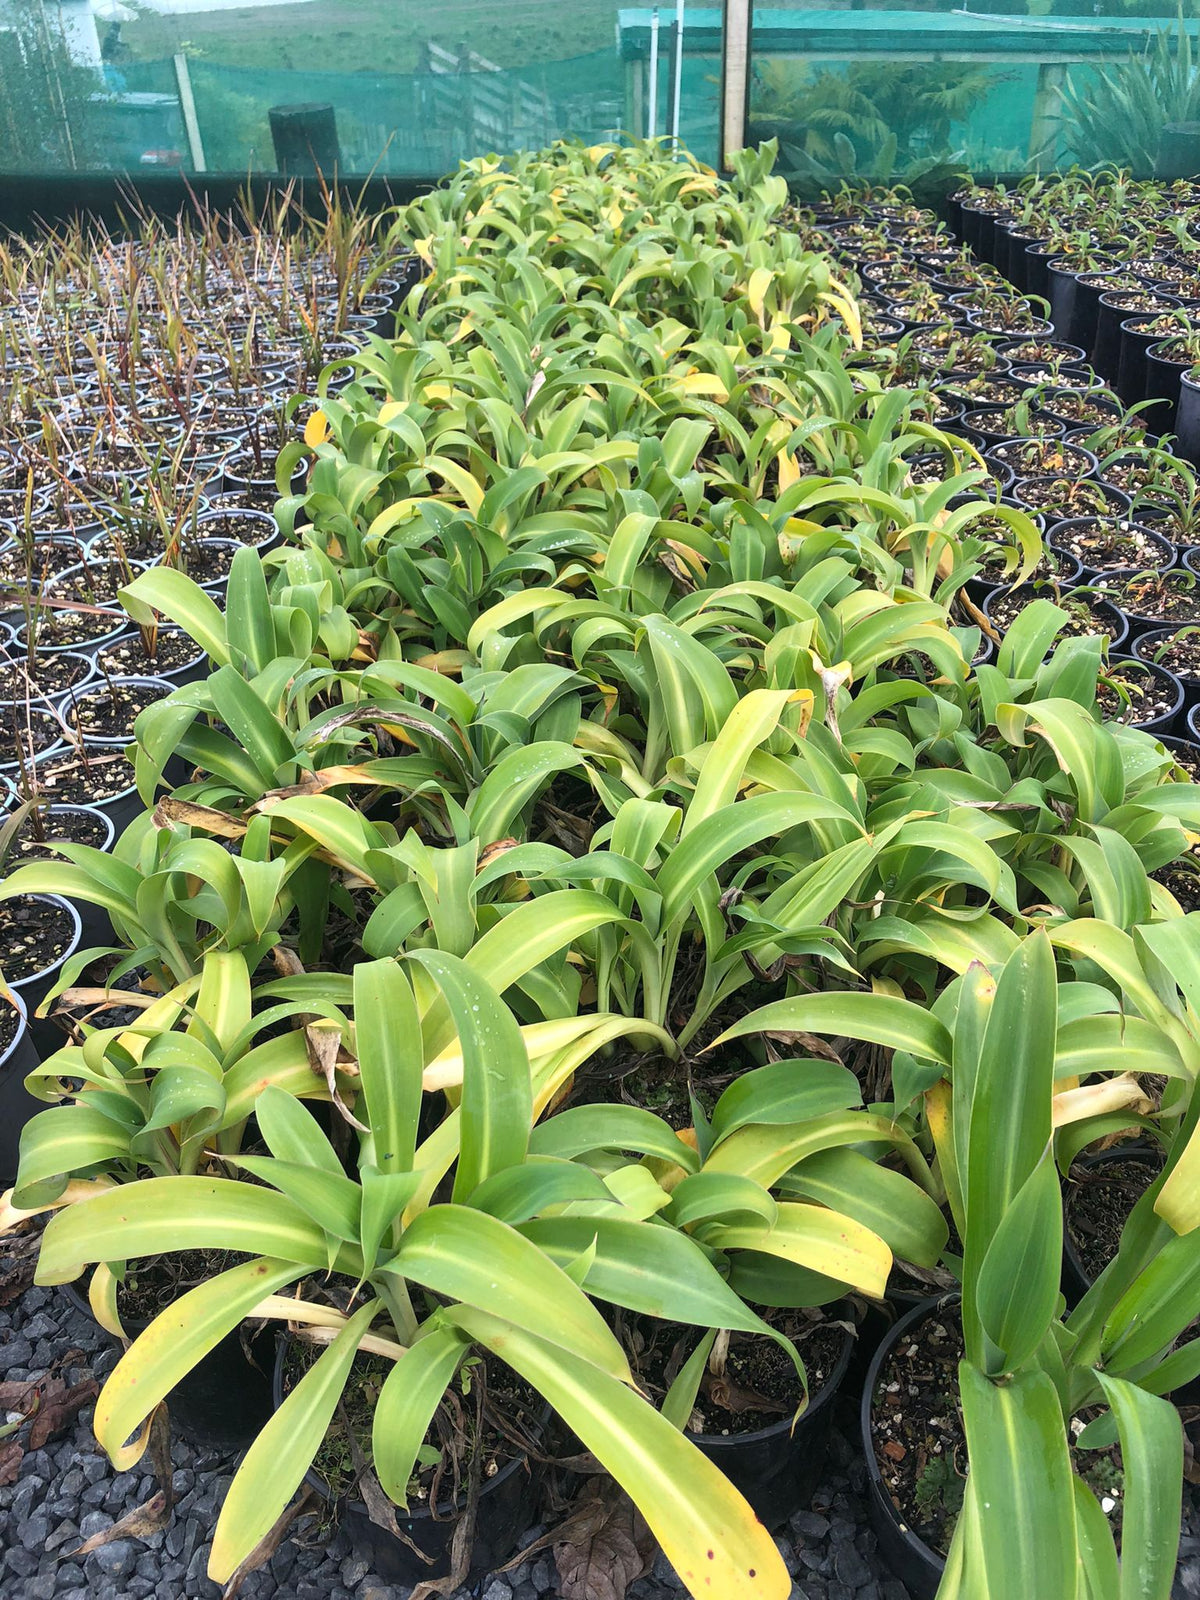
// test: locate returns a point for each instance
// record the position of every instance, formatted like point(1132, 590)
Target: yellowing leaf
point(761, 280)
point(316, 430)
point(705, 383)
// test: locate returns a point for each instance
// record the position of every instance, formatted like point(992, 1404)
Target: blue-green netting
point(869, 88)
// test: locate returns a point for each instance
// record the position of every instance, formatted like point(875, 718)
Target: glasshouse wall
point(875, 89)
point(393, 89)
point(897, 90)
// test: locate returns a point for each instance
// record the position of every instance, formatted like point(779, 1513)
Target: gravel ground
point(66, 1492)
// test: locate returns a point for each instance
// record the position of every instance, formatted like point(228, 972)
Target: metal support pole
point(676, 73)
point(187, 105)
point(736, 31)
point(652, 111)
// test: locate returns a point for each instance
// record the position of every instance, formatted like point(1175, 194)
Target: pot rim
point(18, 984)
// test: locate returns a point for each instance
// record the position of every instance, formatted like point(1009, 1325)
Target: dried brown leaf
point(608, 1548)
point(143, 1522)
point(11, 1454)
point(219, 823)
point(733, 1397)
point(58, 1410)
point(323, 1043)
point(19, 1395)
point(489, 852)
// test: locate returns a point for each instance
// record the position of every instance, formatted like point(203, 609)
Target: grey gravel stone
point(353, 1570)
point(21, 1561)
point(115, 1560)
point(850, 1567)
point(35, 1532)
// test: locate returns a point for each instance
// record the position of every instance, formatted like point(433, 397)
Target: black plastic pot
point(1106, 349)
point(1075, 373)
point(978, 320)
point(1073, 304)
point(1166, 721)
point(240, 483)
point(1077, 459)
point(988, 426)
point(1060, 534)
point(1132, 373)
point(1187, 420)
point(970, 219)
point(1050, 405)
point(1068, 575)
point(94, 926)
point(507, 1506)
point(160, 687)
point(86, 647)
point(121, 808)
point(33, 990)
point(87, 670)
point(256, 528)
point(225, 1400)
point(17, 1105)
point(1116, 499)
point(1117, 624)
point(1193, 726)
point(1037, 268)
point(1145, 648)
point(1010, 349)
point(777, 1468)
point(1163, 382)
point(1015, 266)
point(1075, 1281)
point(1138, 622)
point(189, 671)
point(912, 1561)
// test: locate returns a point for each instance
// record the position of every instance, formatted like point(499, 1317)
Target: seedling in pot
point(1103, 543)
point(1156, 596)
point(1133, 694)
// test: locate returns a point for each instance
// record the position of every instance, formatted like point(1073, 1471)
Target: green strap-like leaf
point(60, 1142)
point(387, 1031)
point(818, 1240)
point(175, 595)
point(1010, 1109)
point(1152, 1457)
point(785, 1091)
point(1017, 1288)
point(1021, 1477)
point(411, 1393)
point(645, 1267)
point(470, 1257)
point(618, 1127)
point(906, 1218)
point(522, 1192)
point(496, 1110)
point(293, 1134)
point(171, 1346)
point(276, 1462)
point(875, 1018)
point(155, 1215)
point(708, 1533)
